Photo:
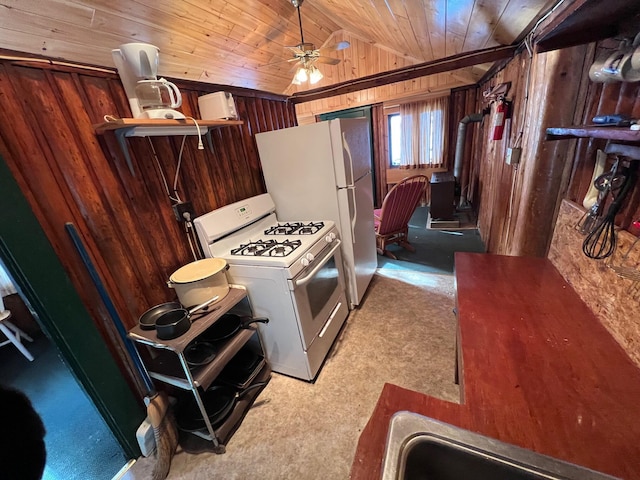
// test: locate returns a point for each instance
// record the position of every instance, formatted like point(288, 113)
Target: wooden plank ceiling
point(242, 43)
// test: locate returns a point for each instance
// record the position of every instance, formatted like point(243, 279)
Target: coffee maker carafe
point(154, 94)
point(149, 96)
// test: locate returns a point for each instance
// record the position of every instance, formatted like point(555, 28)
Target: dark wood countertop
point(539, 371)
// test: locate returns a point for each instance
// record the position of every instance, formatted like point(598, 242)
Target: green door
point(34, 265)
point(357, 112)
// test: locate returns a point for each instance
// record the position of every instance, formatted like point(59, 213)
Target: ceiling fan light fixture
point(315, 75)
point(301, 76)
point(306, 54)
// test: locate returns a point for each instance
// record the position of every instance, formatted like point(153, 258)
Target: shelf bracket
point(120, 136)
point(123, 133)
point(209, 141)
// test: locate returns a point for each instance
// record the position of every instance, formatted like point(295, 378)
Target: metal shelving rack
point(160, 362)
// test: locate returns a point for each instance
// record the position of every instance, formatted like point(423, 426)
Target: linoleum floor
point(403, 333)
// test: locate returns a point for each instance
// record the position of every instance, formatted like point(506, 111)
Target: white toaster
point(217, 106)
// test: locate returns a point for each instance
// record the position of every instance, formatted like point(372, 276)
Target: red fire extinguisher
point(501, 116)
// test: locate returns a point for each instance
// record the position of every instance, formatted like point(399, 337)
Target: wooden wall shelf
point(586, 21)
point(146, 127)
point(160, 125)
point(623, 134)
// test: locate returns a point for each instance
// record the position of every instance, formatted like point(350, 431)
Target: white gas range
point(294, 276)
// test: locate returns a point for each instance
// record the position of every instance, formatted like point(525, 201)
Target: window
point(431, 123)
point(395, 139)
point(417, 133)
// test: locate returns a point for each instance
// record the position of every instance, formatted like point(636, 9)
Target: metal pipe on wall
point(462, 131)
point(459, 154)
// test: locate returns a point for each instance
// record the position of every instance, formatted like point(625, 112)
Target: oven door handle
point(300, 282)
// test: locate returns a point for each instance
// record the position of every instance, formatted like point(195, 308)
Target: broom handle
point(115, 318)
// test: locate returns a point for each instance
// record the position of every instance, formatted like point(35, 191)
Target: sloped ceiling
point(242, 43)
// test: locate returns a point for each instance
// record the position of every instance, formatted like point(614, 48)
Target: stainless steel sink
point(421, 448)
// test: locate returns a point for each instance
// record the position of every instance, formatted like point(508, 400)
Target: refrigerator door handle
point(345, 146)
point(354, 216)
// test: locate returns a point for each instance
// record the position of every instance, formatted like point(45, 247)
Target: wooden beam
point(453, 62)
point(465, 78)
point(585, 21)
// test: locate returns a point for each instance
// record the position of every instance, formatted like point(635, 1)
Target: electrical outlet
point(513, 155)
point(183, 211)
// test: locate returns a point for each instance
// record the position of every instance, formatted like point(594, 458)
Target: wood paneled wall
point(601, 99)
point(518, 205)
point(380, 152)
point(70, 174)
point(462, 102)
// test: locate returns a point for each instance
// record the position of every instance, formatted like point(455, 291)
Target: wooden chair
point(392, 220)
point(14, 334)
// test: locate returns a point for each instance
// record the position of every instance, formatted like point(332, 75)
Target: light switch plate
point(513, 155)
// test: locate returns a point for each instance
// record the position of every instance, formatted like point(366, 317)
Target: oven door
point(319, 293)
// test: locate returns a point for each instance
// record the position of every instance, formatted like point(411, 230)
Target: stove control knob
point(307, 259)
point(330, 237)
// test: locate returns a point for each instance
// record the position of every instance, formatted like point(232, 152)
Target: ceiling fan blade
point(337, 46)
point(278, 62)
point(296, 49)
point(328, 60)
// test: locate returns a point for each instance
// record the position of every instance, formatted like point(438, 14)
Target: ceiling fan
point(307, 55)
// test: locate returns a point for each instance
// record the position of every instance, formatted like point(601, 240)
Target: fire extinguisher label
point(498, 124)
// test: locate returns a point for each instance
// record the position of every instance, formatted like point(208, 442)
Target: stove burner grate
point(253, 248)
point(282, 229)
point(295, 228)
point(271, 248)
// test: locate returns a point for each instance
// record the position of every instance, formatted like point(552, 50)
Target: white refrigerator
point(322, 171)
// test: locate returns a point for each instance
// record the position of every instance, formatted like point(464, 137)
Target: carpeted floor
point(79, 444)
point(403, 333)
point(435, 248)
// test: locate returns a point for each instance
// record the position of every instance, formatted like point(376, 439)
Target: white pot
point(199, 281)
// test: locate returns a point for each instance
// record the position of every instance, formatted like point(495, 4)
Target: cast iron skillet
point(170, 319)
point(199, 353)
point(218, 400)
point(240, 370)
point(227, 326)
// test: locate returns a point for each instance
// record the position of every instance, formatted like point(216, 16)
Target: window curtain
point(424, 132)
